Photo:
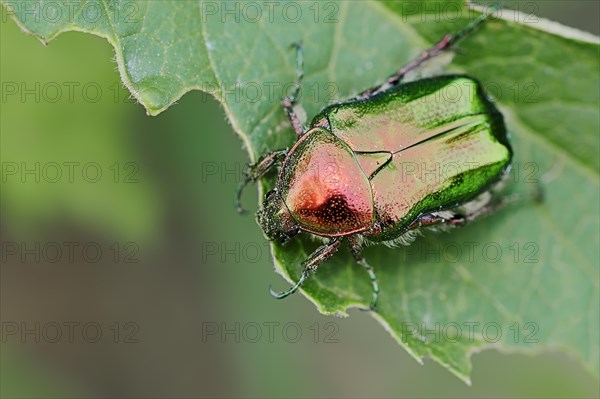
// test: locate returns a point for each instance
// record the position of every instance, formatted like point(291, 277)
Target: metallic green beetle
point(397, 158)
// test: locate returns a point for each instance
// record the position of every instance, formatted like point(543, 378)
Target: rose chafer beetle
point(379, 167)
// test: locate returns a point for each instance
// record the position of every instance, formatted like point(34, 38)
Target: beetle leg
point(253, 172)
point(360, 259)
point(445, 43)
point(299, 72)
point(494, 206)
point(291, 101)
point(431, 220)
point(311, 264)
point(461, 220)
point(288, 106)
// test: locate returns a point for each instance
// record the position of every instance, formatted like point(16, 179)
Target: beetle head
point(275, 218)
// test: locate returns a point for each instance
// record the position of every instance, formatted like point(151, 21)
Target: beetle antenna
point(283, 294)
point(253, 172)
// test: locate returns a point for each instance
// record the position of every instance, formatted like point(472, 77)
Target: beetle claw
point(372, 308)
point(238, 204)
point(294, 288)
point(280, 294)
point(275, 294)
point(369, 309)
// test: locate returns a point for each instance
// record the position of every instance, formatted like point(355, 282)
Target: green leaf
point(524, 279)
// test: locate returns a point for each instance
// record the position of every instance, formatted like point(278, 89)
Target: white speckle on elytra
point(210, 46)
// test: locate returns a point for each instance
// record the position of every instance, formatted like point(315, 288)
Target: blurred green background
point(153, 256)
